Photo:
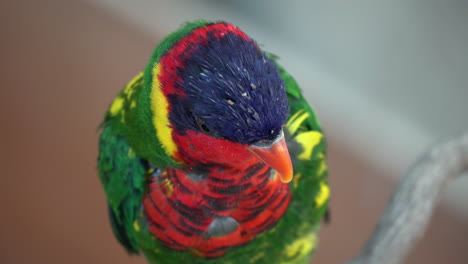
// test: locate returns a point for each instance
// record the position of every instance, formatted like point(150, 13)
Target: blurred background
point(387, 78)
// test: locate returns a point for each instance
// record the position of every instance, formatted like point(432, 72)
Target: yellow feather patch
point(167, 187)
point(296, 180)
point(322, 166)
point(302, 246)
point(322, 195)
point(120, 102)
point(136, 226)
point(296, 120)
point(308, 140)
point(116, 106)
point(259, 255)
point(130, 88)
point(159, 106)
point(292, 118)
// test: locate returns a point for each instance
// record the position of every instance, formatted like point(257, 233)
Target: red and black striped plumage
point(182, 204)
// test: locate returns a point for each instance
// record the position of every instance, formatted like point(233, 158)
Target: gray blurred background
point(387, 78)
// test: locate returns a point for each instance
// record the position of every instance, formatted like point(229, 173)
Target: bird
point(211, 154)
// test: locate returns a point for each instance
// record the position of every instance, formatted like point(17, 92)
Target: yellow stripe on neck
point(160, 108)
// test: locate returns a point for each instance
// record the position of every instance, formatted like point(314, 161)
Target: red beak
point(275, 155)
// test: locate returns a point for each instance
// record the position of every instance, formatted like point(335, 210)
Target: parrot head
point(216, 98)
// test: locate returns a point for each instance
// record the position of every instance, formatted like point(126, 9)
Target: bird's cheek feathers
point(198, 147)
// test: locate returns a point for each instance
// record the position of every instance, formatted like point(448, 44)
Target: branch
point(410, 208)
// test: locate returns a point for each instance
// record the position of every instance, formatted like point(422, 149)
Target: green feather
point(122, 176)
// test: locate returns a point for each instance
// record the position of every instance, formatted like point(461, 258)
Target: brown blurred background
point(62, 62)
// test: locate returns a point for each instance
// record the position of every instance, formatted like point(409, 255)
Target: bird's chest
point(209, 213)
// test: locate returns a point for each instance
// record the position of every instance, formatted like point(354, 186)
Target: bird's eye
point(204, 128)
point(201, 124)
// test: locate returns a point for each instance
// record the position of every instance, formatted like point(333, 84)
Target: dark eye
point(201, 124)
point(204, 128)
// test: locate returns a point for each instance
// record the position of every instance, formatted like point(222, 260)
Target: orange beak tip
point(286, 178)
point(277, 157)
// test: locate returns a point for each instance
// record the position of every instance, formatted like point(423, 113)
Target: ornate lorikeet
point(212, 155)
